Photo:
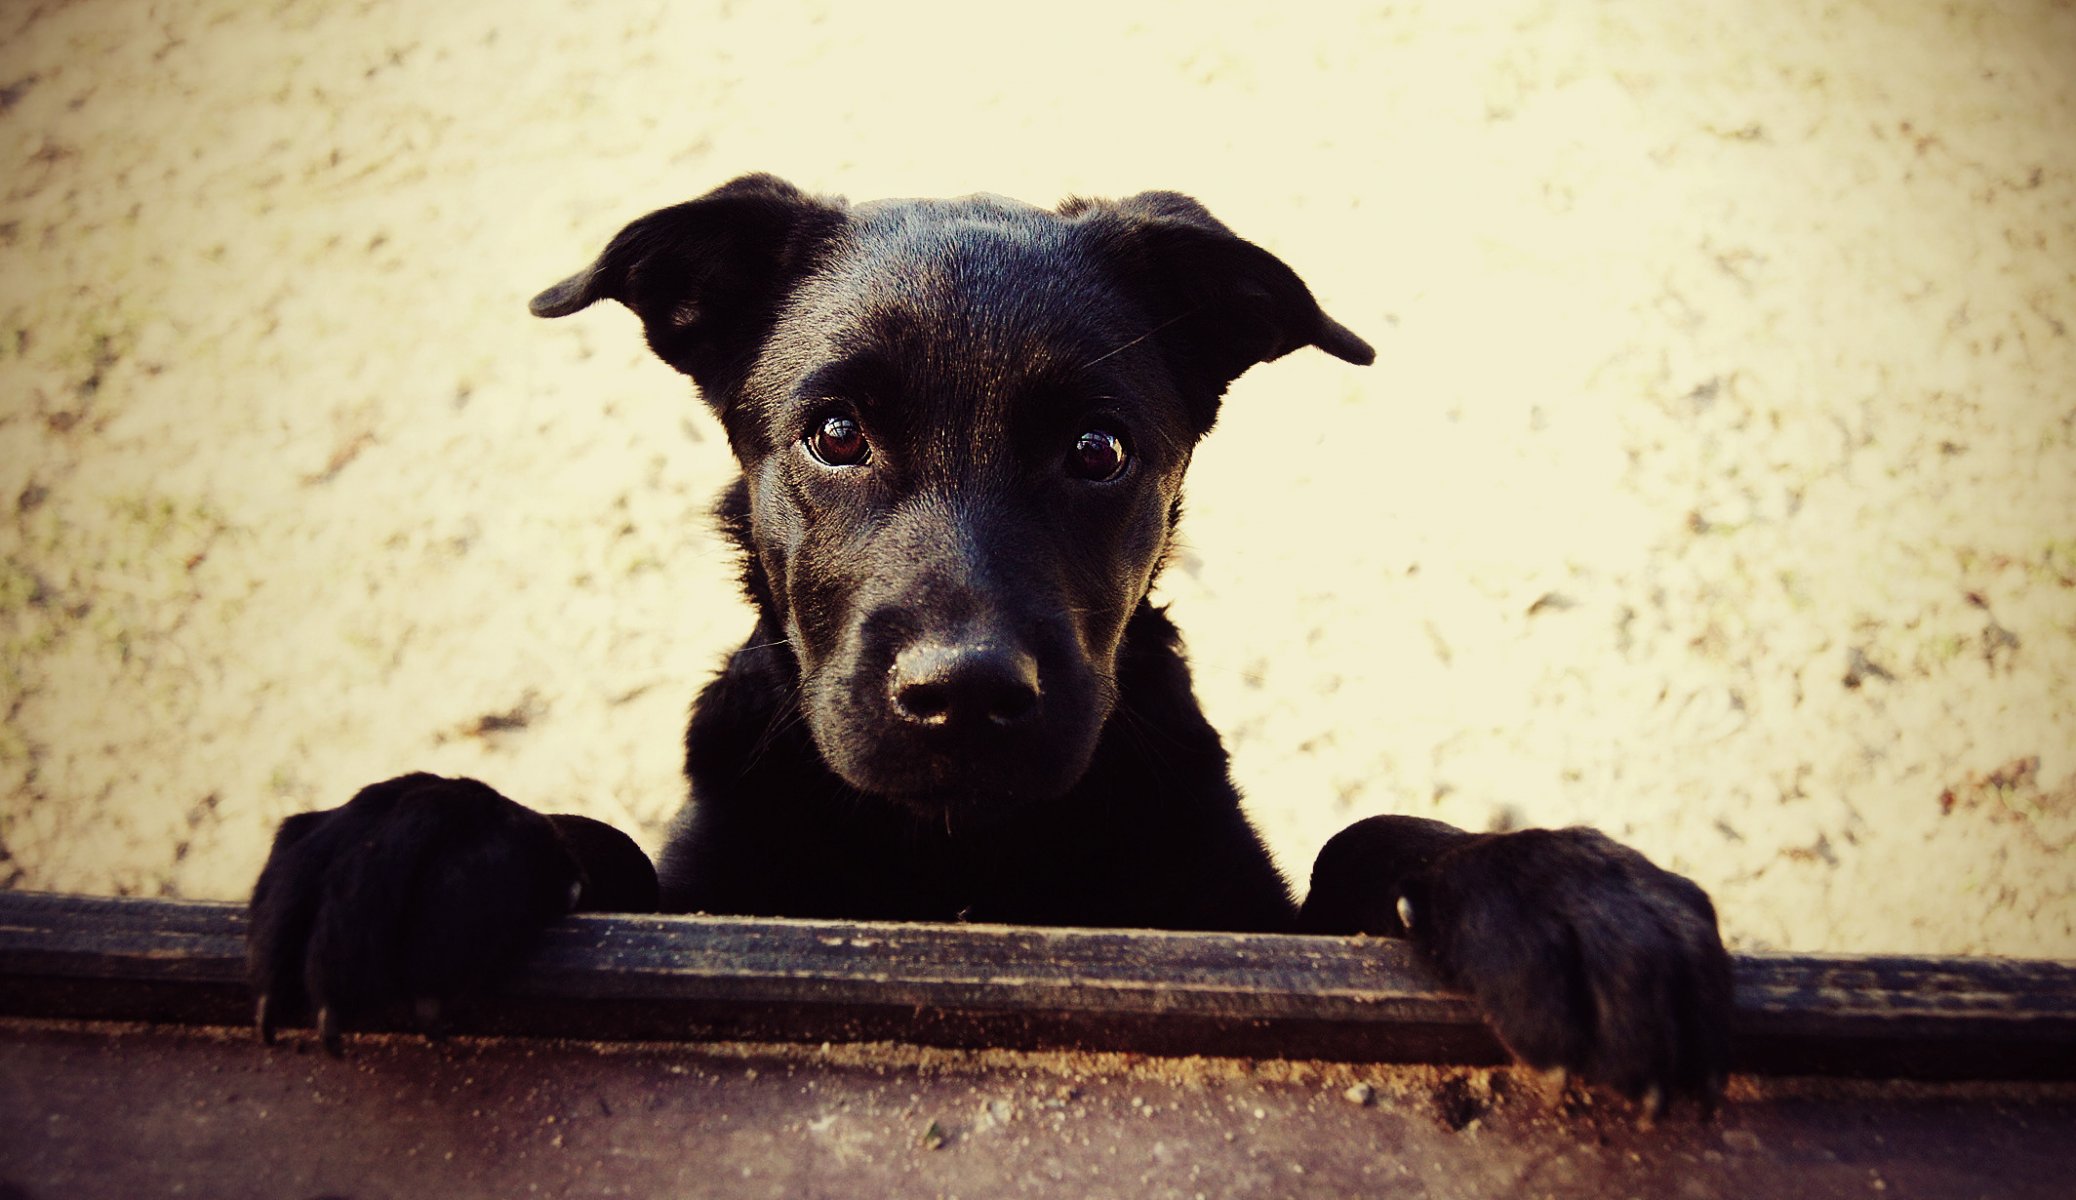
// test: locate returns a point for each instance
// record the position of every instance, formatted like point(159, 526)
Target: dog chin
point(958, 809)
point(963, 789)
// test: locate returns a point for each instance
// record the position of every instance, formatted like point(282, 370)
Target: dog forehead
point(980, 206)
point(979, 267)
point(967, 301)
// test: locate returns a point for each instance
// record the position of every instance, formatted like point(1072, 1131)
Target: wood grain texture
point(1255, 995)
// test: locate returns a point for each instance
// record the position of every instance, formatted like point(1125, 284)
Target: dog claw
point(1405, 913)
point(1654, 1104)
point(429, 1012)
point(263, 1021)
point(328, 1031)
point(1712, 1096)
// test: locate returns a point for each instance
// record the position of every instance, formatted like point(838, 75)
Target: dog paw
point(1586, 958)
point(412, 896)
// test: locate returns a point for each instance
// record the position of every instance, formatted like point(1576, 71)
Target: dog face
point(963, 427)
point(959, 485)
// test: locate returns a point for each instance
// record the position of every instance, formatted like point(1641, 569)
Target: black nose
point(964, 686)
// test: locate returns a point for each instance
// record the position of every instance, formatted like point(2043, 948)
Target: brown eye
point(1098, 456)
point(839, 442)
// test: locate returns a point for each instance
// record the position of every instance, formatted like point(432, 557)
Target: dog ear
point(1219, 303)
point(706, 276)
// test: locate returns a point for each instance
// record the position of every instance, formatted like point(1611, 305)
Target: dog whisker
point(1114, 352)
point(764, 645)
point(783, 718)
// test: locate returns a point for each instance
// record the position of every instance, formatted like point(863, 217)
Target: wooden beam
point(1249, 995)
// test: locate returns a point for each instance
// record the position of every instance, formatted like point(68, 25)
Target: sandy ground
point(1716, 483)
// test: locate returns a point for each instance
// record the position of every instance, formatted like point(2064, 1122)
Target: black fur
point(963, 427)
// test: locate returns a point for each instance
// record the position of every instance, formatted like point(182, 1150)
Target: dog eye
point(839, 442)
point(1098, 456)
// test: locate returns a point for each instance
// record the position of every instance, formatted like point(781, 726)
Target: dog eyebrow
point(864, 380)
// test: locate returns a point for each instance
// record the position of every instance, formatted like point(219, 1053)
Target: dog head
point(963, 426)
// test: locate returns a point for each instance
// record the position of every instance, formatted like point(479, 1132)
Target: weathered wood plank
point(111, 1112)
point(1347, 999)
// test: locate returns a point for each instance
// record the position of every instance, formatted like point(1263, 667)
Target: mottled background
point(1716, 482)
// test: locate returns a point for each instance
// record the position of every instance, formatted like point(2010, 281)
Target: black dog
point(963, 427)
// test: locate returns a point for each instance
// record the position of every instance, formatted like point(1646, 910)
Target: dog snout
point(964, 686)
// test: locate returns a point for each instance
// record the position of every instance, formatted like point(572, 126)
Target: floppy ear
point(706, 276)
point(1219, 303)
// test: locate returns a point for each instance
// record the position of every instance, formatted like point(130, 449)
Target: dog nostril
point(942, 685)
point(1009, 701)
point(926, 702)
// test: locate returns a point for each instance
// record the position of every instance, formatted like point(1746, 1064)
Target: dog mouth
point(961, 731)
point(959, 809)
point(972, 775)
